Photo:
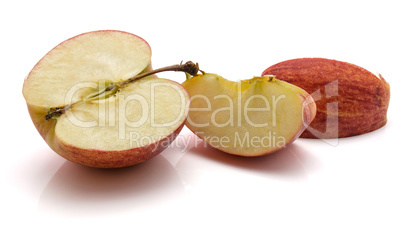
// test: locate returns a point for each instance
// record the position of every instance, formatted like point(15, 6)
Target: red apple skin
point(115, 159)
point(362, 98)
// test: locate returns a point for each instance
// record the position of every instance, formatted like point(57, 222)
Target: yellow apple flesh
point(81, 118)
point(247, 118)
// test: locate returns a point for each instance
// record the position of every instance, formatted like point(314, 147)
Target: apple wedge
point(247, 118)
point(92, 101)
point(350, 99)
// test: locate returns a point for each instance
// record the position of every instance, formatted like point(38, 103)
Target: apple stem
point(189, 68)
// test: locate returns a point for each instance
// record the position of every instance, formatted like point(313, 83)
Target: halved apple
point(85, 103)
point(247, 118)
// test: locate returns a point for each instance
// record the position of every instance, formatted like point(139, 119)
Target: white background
point(351, 181)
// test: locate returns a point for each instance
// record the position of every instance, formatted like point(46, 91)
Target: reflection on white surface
point(174, 179)
point(81, 191)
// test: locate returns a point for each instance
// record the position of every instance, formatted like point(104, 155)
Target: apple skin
point(361, 99)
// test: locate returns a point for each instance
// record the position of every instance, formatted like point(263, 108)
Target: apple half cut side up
point(86, 105)
point(350, 99)
point(247, 118)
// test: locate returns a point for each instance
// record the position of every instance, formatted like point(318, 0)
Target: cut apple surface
point(350, 99)
point(248, 118)
point(81, 101)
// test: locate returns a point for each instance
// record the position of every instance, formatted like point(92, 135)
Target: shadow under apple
point(80, 191)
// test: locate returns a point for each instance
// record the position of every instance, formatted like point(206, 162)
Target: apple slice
point(91, 101)
point(247, 118)
point(350, 99)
